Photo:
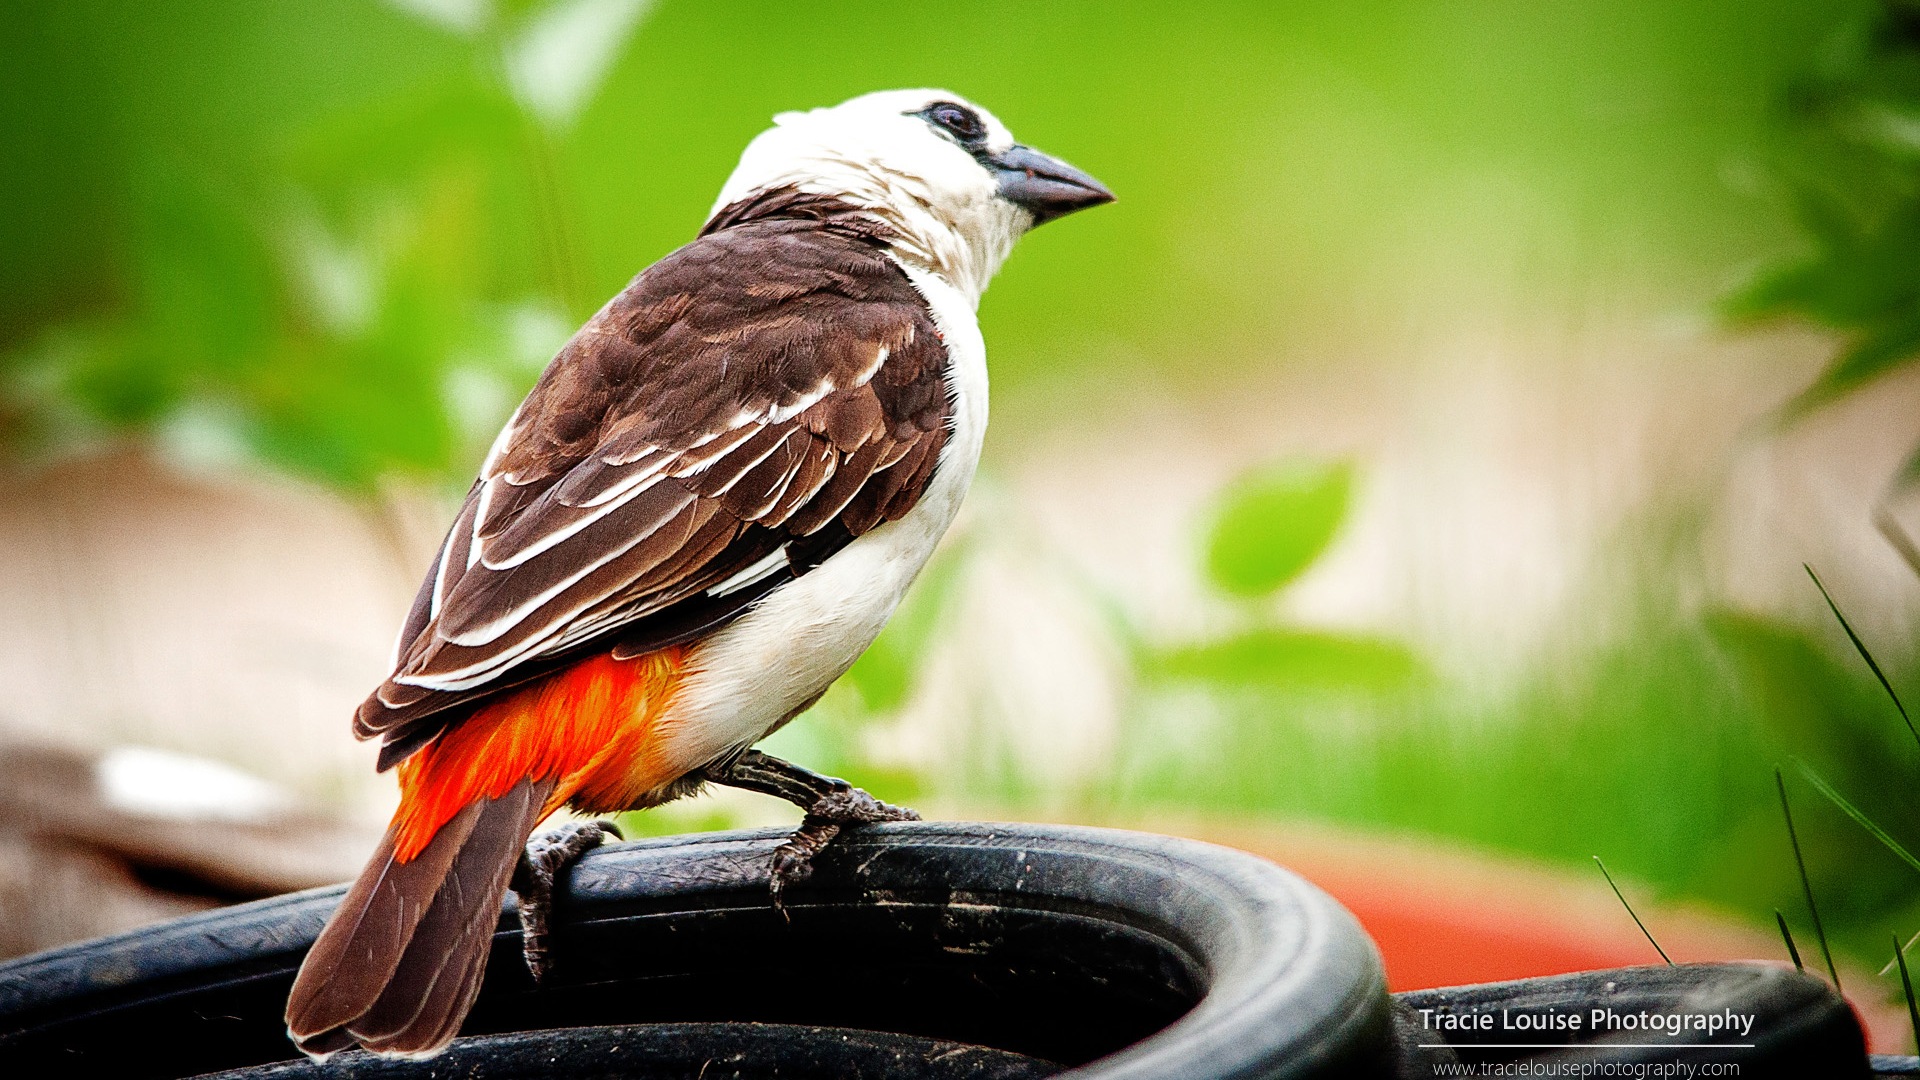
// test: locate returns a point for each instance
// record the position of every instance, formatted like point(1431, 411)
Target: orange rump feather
point(587, 728)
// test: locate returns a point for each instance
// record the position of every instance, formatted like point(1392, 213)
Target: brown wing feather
point(777, 381)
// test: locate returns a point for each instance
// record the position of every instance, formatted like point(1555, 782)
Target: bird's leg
point(546, 857)
point(830, 804)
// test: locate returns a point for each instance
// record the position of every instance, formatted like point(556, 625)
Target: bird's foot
point(546, 858)
point(831, 804)
point(842, 805)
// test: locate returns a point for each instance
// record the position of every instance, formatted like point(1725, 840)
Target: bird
point(700, 516)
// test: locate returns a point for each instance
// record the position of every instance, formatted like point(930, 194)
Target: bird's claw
point(844, 805)
point(850, 805)
point(545, 859)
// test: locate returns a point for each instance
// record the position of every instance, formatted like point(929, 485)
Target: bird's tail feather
point(399, 963)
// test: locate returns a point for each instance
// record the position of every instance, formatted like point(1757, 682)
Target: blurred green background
point(328, 245)
point(189, 197)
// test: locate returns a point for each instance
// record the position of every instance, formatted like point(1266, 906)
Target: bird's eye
point(957, 120)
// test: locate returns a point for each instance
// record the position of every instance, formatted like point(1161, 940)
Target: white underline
point(1583, 1046)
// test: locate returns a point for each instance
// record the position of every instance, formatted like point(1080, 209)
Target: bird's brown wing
point(746, 407)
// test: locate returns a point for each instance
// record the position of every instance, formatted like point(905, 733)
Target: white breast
point(754, 674)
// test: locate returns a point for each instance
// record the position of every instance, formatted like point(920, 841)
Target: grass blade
point(1906, 984)
point(1855, 813)
point(1908, 947)
point(1806, 885)
point(1630, 911)
point(1786, 935)
point(1861, 648)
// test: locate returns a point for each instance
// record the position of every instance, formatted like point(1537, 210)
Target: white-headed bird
point(702, 514)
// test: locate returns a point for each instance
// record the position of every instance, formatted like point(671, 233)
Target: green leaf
point(1273, 523)
point(1273, 658)
point(1774, 293)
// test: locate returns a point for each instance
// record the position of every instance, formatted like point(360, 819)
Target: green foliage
point(346, 292)
point(1281, 658)
point(1851, 164)
point(1888, 780)
point(1272, 524)
point(1655, 749)
point(1815, 709)
point(1652, 762)
point(1273, 163)
point(1268, 527)
point(1851, 748)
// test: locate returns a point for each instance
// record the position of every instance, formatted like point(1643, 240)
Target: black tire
point(1048, 948)
point(719, 1051)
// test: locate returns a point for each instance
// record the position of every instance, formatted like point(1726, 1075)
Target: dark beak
point(1046, 187)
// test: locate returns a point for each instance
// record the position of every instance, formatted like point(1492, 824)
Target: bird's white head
point(943, 174)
